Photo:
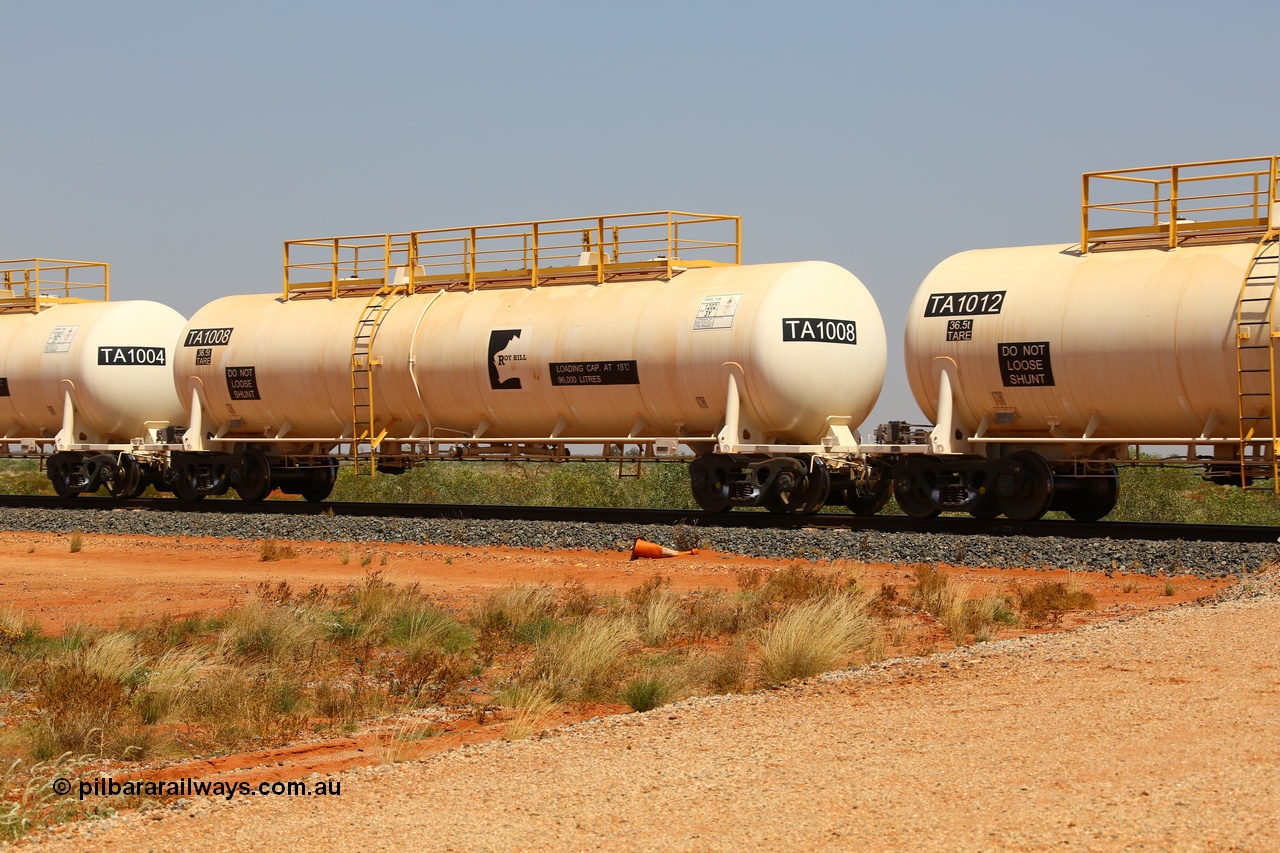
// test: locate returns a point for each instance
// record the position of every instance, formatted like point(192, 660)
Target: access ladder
point(1255, 355)
point(363, 414)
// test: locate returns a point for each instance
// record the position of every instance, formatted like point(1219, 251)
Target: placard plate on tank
point(717, 312)
point(60, 339)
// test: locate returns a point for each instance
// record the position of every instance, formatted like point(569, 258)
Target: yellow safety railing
point(1168, 204)
point(550, 251)
point(29, 283)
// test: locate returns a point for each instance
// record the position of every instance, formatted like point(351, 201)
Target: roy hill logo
point(508, 357)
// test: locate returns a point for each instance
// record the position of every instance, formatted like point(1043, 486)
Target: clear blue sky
point(184, 142)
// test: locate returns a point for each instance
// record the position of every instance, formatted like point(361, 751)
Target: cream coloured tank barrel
point(638, 358)
point(1041, 340)
point(112, 360)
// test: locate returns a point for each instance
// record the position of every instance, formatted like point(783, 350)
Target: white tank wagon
point(545, 335)
point(1043, 366)
point(81, 377)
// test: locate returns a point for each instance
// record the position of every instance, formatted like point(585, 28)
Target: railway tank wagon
point(82, 377)
point(1043, 366)
point(520, 340)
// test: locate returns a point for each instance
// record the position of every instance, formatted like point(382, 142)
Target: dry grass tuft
point(273, 633)
point(717, 672)
point(521, 604)
point(799, 582)
point(519, 613)
point(167, 681)
point(581, 659)
point(718, 614)
point(273, 550)
point(810, 638)
point(81, 708)
point(899, 628)
point(13, 628)
point(115, 657)
point(947, 600)
point(400, 744)
point(529, 705)
point(1049, 600)
point(660, 617)
point(984, 615)
point(30, 802)
point(944, 598)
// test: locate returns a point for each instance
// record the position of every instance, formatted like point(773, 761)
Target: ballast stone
point(1203, 559)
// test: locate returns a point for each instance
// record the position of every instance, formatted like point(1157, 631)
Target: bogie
point(796, 485)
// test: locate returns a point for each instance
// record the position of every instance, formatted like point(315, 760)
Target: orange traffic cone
point(644, 549)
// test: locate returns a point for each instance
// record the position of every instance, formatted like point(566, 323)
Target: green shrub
point(647, 692)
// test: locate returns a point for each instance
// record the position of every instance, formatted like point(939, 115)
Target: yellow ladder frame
point(363, 414)
point(1251, 293)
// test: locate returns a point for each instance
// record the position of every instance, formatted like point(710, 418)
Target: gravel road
point(1161, 731)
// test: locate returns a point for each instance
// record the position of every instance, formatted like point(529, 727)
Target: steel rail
point(950, 525)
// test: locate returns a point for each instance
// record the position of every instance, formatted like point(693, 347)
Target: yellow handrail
point(29, 283)
point(596, 248)
point(1182, 200)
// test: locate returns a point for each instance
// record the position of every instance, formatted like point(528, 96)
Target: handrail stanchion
point(600, 250)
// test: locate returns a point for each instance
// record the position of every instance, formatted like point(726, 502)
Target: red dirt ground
point(122, 579)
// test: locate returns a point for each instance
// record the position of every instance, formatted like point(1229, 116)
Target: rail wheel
point(125, 478)
point(867, 497)
point(988, 509)
point(184, 488)
point(707, 481)
point(800, 492)
point(256, 483)
point(1096, 497)
point(1025, 487)
point(184, 478)
point(914, 486)
point(320, 480)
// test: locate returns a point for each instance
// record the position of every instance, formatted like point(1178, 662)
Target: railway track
point(952, 525)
